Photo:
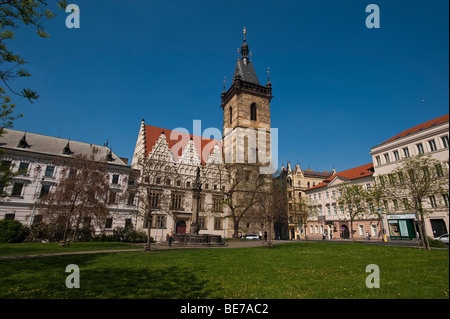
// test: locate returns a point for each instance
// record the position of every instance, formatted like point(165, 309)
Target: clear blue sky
point(339, 88)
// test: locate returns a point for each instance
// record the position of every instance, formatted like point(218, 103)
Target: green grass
point(50, 248)
point(299, 270)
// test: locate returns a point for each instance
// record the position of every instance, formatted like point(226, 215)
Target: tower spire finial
point(244, 48)
point(268, 84)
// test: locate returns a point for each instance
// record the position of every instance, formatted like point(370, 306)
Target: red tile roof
point(415, 129)
point(351, 174)
point(204, 146)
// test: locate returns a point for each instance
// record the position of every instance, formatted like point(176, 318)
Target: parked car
point(252, 237)
point(443, 238)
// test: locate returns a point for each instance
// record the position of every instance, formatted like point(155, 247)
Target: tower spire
point(244, 48)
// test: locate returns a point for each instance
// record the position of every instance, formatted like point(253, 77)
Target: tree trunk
point(147, 248)
point(76, 228)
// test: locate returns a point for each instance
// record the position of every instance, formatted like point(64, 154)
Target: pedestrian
point(260, 235)
point(170, 235)
point(265, 236)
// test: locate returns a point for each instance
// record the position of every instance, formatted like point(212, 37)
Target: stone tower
point(247, 144)
point(246, 115)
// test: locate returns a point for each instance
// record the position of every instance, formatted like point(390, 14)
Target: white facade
point(332, 220)
point(430, 138)
point(156, 152)
point(39, 174)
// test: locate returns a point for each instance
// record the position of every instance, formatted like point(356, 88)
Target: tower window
point(253, 112)
point(231, 114)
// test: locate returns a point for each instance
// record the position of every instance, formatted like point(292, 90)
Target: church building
point(229, 169)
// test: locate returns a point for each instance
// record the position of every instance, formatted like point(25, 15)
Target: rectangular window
point(160, 221)
point(49, 171)
point(328, 210)
point(361, 230)
point(378, 159)
point(112, 197)
point(445, 141)
point(202, 222)
point(218, 224)
point(432, 144)
point(395, 204)
point(23, 168)
point(44, 190)
point(445, 198)
point(433, 201)
point(420, 148)
point(115, 179)
point(130, 200)
point(406, 152)
point(396, 156)
point(439, 170)
point(17, 189)
point(386, 158)
point(108, 224)
point(217, 204)
point(177, 201)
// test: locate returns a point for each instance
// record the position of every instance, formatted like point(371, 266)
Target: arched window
point(253, 112)
point(231, 114)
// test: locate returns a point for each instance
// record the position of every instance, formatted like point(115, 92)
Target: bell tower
point(246, 115)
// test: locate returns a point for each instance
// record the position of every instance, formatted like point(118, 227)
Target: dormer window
point(66, 150)
point(23, 142)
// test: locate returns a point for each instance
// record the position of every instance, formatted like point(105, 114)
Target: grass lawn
point(297, 270)
point(50, 248)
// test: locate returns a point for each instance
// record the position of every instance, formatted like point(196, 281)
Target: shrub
point(12, 231)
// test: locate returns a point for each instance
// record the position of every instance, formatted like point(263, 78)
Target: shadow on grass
point(46, 277)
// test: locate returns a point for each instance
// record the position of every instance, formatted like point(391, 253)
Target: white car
point(443, 238)
point(252, 237)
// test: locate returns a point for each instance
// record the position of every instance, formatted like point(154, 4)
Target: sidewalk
point(229, 244)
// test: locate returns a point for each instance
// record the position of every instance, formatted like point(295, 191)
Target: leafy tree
point(13, 14)
point(354, 198)
point(418, 183)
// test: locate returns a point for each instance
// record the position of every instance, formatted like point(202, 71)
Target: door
point(345, 234)
point(181, 227)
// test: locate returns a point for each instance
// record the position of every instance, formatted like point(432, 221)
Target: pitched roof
point(54, 146)
point(423, 126)
point(350, 174)
point(204, 146)
point(246, 71)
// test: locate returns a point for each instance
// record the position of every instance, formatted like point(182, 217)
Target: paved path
point(230, 244)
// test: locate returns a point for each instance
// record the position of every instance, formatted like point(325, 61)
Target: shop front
point(402, 226)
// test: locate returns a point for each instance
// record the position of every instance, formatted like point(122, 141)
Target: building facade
point(429, 138)
point(330, 220)
point(168, 162)
point(35, 157)
point(297, 181)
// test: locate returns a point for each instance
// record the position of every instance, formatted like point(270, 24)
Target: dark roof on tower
point(244, 68)
point(246, 71)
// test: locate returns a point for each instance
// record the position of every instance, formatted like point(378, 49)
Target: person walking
point(260, 235)
point(170, 237)
point(265, 236)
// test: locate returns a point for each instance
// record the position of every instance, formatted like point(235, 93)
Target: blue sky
point(339, 88)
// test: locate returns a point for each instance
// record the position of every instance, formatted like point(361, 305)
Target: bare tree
point(81, 194)
point(418, 180)
point(241, 191)
point(271, 205)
